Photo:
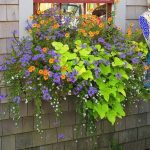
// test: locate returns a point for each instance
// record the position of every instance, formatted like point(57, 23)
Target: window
point(77, 7)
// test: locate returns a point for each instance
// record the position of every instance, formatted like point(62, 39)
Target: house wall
point(134, 8)
point(132, 132)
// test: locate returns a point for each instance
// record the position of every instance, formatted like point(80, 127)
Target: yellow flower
point(31, 68)
point(51, 60)
point(45, 78)
point(42, 22)
point(110, 19)
point(91, 34)
point(44, 49)
point(63, 77)
point(40, 71)
point(101, 25)
point(67, 35)
point(146, 67)
point(34, 25)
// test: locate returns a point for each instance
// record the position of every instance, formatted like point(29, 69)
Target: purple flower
point(46, 95)
point(92, 91)
point(61, 136)
point(25, 60)
point(3, 67)
point(77, 89)
point(56, 77)
point(56, 67)
point(2, 97)
point(123, 56)
point(97, 71)
point(118, 76)
point(17, 99)
point(101, 40)
point(135, 60)
point(27, 73)
point(140, 54)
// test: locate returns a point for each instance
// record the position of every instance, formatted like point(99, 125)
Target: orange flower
point(42, 22)
point(34, 25)
point(129, 31)
point(101, 25)
point(91, 34)
point(40, 71)
point(97, 32)
point(67, 35)
point(55, 26)
point(31, 68)
point(110, 19)
point(38, 26)
point(63, 77)
point(45, 72)
point(44, 49)
point(45, 78)
point(131, 24)
point(84, 34)
point(31, 17)
point(51, 60)
point(146, 67)
point(38, 12)
point(64, 68)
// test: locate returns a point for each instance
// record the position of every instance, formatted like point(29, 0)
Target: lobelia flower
point(92, 91)
point(46, 96)
point(25, 60)
point(97, 71)
point(57, 78)
point(2, 97)
point(118, 76)
point(27, 73)
point(135, 60)
point(101, 40)
point(17, 99)
point(56, 67)
point(123, 56)
point(61, 136)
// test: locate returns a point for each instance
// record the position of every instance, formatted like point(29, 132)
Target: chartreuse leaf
point(123, 74)
point(111, 116)
point(105, 70)
point(101, 109)
point(80, 70)
point(98, 47)
point(71, 56)
point(121, 89)
point(57, 45)
point(119, 109)
point(87, 75)
point(117, 62)
point(89, 104)
point(78, 42)
point(129, 66)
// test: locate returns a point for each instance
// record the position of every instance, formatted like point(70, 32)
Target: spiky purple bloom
point(27, 73)
point(25, 60)
point(92, 91)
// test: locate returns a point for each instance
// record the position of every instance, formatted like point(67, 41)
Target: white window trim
point(120, 15)
point(25, 10)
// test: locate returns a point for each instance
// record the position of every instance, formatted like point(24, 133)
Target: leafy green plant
point(92, 60)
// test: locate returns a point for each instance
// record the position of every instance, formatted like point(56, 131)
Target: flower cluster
point(82, 56)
